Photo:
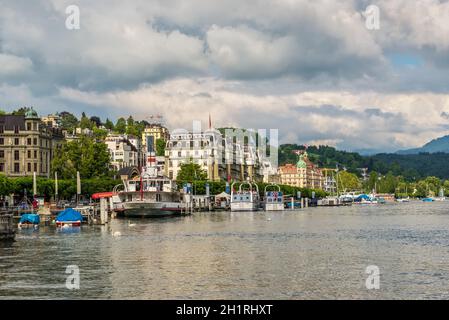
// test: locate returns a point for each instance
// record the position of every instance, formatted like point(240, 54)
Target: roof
point(11, 121)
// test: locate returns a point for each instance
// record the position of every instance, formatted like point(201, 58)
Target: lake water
point(315, 253)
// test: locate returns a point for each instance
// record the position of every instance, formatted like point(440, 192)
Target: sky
point(314, 70)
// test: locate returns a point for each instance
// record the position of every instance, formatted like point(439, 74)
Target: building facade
point(123, 153)
point(27, 145)
point(221, 158)
point(151, 134)
point(304, 174)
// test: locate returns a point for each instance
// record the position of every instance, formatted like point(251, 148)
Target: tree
point(120, 126)
point(85, 155)
point(160, 147)
point(109, 125)
point(191, 172)
point(85, 122)
point(20, 112)
point(131, 127)
point(96, 121)
point(5, 185)
point(348, 181)
point(68, 121)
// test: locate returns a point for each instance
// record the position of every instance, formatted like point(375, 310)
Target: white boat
point(148, 195)
point(245, 199)
point(403, 199)
point(274, 200)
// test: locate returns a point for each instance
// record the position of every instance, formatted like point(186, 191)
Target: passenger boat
point(274, 200)
point(149, 195)
point(245, 199)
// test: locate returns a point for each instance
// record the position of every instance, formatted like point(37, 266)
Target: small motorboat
point(428, 199)
point(69, 218)
point(29, 220)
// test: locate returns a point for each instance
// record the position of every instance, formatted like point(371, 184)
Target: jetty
point(7, 231)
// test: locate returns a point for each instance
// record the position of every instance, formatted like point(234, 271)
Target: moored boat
point(69, 218)
point(29, 220)
point(274, 200)
point(245, 199)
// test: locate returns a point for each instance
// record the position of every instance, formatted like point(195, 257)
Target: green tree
point(348, 181)
point(5, 185)
point(109, 125)
point(120, 126)
point(191, 172)
point(160, 147)
point(85, 155)
point(85, 122)
point(68, 121)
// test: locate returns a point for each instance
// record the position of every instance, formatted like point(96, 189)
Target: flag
point(210, 122)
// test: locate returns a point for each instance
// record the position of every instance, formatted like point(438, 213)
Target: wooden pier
point(7, 231)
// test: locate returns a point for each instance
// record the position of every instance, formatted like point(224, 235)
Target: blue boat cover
point(69, 215)
point(363, 196)
point(30, 218)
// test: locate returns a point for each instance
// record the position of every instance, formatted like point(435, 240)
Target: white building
point(220, 157)
point(123, 152)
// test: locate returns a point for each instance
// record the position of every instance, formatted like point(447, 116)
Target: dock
point(7, 231)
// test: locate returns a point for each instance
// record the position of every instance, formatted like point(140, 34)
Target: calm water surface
point(316, 253)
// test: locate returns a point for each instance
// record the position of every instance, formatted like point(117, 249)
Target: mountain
point(434, 146)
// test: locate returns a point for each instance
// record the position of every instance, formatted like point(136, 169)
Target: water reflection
point(314, 253)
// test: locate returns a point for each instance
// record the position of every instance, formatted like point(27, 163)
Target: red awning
point(102, 195)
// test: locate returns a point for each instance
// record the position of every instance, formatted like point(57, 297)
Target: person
point(35, 204)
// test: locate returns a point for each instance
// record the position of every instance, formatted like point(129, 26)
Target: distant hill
point(434, 146)
point(410, 166)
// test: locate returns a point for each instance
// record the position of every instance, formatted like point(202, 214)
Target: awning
point(100, 195)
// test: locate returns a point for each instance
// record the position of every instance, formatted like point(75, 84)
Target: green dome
point(301, 164)
point(31, 113)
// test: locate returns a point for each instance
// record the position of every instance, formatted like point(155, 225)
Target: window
point(35, 154)
point(29, 154)
point(16, 129)
point(29, 126)
point(2, 153)
point(29, 141)
point(2, 141)
point(35, 167)
point(2, 167)
point(29, 167)
point(16, 155)
point(2, 129)
point(16, 141)
point(16, 167)
point(35, 141)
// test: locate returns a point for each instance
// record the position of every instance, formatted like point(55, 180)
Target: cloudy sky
point(311, 69)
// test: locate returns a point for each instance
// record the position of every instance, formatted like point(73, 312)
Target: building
point(27, 145)
point(151, 134)
point(220, 157)
point(123, 152)
point(137, 143)
point(52, 120)
point(304, 174)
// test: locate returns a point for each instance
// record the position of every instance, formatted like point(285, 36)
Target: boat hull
point(244, 206)
point(149, 210)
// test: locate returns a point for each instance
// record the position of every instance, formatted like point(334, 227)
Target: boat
point(367, 199)
point(403, 199)
point(69, 218)
point(222, 201)
point(149, 195)
point(441, 196)
point(274, 200)
point(331, 202)
point(245, 199)
point(29, 220)
point(428, 199)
